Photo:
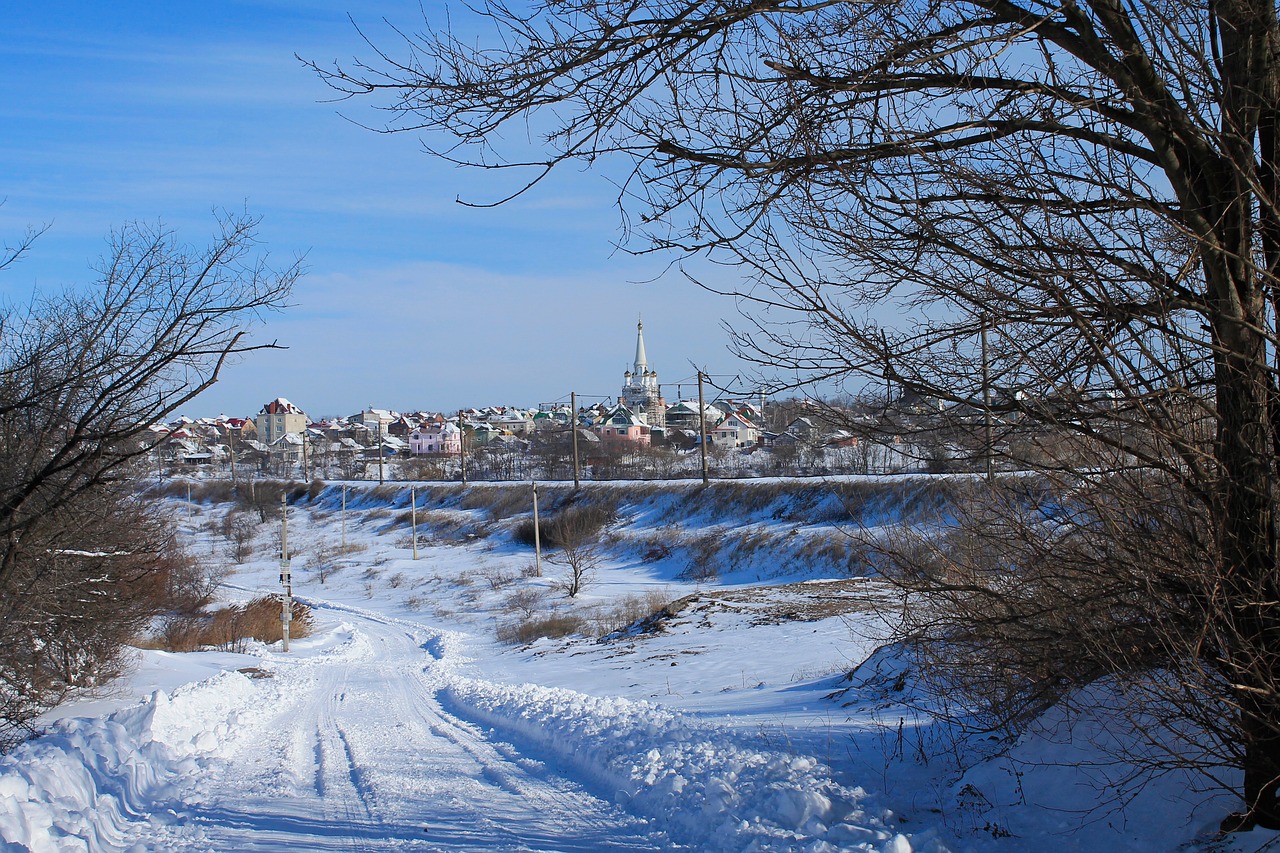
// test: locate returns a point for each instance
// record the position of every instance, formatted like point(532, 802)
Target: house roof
point(280, 406)
point(621, 414)
point(735, 422)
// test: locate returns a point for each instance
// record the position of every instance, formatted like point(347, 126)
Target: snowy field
point(403, 723)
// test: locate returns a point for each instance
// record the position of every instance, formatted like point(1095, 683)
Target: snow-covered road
point(355, 752)
point(402, 723)
point(369, 736)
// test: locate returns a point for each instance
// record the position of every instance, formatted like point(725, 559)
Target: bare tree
point(579, 553)
point(239, 529)
point(1091, 184)
point(84, 374)
point(574, 531)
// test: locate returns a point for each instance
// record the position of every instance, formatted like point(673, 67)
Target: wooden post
point(413, 518)
point(537, 536)
point(286, 581)
point(381, 456)
point(573, 427)
point(702, 429)
point(462, 448)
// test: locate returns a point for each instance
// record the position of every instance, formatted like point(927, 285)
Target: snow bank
point(90, 782)
point(696, 782)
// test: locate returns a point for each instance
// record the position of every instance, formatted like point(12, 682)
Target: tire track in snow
point(338, 783)
point(389, 768)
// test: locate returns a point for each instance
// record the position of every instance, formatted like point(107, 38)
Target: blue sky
point(165, 112)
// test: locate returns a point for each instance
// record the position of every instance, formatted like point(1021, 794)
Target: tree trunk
point(1248, 552)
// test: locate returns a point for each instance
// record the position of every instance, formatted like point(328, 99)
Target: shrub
point(552, 626)
point(230, 628)
point(315, 488)
point(584, 521)
point(526, 601)
point(497, 577)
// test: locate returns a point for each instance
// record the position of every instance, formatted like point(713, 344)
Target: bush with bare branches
point(83, 374)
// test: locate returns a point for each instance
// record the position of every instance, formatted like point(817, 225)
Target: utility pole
point(306, 464)
point(286, 581)
point(462, 448)
point(573, 429)
point(413, 518)
point(344, 518)
point(231, 449)
point(537, 536)
point(382, 455)
point(702, 430)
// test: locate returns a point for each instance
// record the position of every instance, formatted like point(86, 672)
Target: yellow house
point(277, 418)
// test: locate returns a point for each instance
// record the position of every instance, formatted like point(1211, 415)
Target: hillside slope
point(693, 695)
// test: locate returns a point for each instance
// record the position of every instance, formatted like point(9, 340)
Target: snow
point(402, 723)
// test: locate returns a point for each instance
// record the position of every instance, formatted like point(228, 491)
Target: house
point(482, 433)
point(435, 440)
point(376, 421)
point(681, 439)
point(237, 429)
point(278, 418)
point(684, 415)
point(802, 429)
point(512, 422)
point(287, 449)
point(620, 424)
point(842, 438)
point(402, 426)
point(735, 431)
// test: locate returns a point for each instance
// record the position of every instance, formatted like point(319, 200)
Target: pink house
point(435, 440)
point(620, 424)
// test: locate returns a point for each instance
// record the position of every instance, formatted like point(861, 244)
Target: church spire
point(642, 361)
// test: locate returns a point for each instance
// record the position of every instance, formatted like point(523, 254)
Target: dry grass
point(804, 602)
point(608, 618)
point(704, 556)
point(551, 626)
point(230, 628)
point(505, 501)
point(595, 621)
point(498, 577)
point(385, 493)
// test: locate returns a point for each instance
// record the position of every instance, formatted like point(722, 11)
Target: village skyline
point(163, 115)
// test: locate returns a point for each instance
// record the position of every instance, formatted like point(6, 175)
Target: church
point(640, 391)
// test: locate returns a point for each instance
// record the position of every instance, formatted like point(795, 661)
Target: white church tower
point(640, 391)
